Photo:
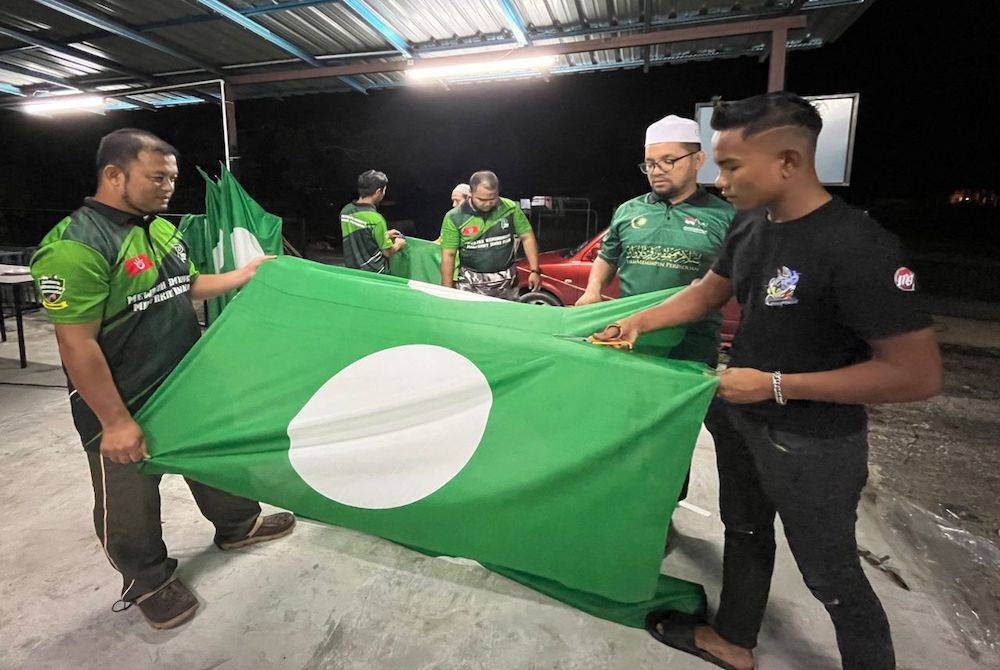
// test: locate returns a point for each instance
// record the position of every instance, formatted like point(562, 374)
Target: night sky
point(927, 73)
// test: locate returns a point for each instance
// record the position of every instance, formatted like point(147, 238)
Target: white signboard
point(834, 149)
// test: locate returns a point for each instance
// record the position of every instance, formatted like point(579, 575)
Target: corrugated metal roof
point(197, 41)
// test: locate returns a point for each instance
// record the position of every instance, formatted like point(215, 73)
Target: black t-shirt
point(811, 292)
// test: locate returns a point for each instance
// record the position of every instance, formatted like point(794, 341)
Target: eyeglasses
point(665, 164)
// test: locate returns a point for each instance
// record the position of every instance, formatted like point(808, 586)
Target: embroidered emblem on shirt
point(470, 230)
point(781, 288)
point(905, 279)
point(638, 222)
point(694, 225)
point(138, 264)
point(52, 288)
point(181, 252)
point(504, 224)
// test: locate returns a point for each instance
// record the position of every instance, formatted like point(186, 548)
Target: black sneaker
point(168, 606)
point(265, 529)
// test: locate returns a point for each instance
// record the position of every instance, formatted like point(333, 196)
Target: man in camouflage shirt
point(484, 232)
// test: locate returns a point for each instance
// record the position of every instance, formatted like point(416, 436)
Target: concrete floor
point(327, 597)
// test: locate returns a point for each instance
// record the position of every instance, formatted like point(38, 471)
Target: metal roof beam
point(142, 104)
point(381, 26)
point(281, 6)
point(10, 89)
point(515, 22)
point(71, 53)
point(612, 13)
point(257, 29)
point(67, 83)
point(40, 75)
point(584, 21)
point(121, 30)
point(206, 18)
point(690, 33)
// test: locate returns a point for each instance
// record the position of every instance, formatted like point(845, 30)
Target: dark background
point(927, 73)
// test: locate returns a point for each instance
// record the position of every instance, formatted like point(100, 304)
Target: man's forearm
point(916, 375)
point(397, 246)
point(686, 306)
point(867, 383)
point(530, 250)
point(447, 269)
point(88, 370)
point(601, 273)
point(209, 286)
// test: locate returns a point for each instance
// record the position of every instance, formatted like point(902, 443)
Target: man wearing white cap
point(670, 236)
point(460, 194)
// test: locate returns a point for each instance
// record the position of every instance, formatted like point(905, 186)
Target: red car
point(564, 279)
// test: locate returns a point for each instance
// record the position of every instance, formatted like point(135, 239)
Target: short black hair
point(122, 146)
point(765, 112)
point(484, 178)
point(371, 181)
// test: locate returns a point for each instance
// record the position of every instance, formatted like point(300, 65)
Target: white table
point(17, 276)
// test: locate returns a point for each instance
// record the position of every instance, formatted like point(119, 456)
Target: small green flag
point(445, 421)
point(234, 230)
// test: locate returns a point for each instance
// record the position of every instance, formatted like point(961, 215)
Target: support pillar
point(229, 129)
point(776, 61)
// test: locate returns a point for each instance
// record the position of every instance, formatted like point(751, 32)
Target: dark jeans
point(127, 520)
point(814, 484)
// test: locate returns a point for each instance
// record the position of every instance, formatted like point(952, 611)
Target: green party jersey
point(658, 245)
point(365, 237)
point(486, 240)
point(131, 274)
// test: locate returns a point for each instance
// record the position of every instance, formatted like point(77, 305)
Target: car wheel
point(540, 298)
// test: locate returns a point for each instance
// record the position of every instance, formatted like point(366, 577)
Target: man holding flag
point(117, 283)
point(368, 244)
point(668, 237)
point(830, 323)
point(484, 231)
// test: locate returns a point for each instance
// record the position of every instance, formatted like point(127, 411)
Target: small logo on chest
point(138, 264)
point(470, 230)
point(781, 288)
point(694, 225)
point(905, 279)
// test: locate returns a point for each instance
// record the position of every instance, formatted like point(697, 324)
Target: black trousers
point(127, 520)
point(815, 485)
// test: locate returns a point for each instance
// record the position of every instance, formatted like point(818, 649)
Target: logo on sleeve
point(138, 264)
point(52, 288)
point(181, 252)
point(905, 279)
point(781, 288)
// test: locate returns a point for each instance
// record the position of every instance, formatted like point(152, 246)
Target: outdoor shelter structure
point(150, 54)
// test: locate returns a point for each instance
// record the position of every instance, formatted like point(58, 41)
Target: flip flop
point(678, 633)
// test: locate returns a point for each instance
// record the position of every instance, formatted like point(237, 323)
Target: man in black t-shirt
point(829, 323)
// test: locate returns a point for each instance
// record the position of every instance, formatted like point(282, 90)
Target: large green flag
point(419, 259)
point(448, 422)
point(234, 230)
